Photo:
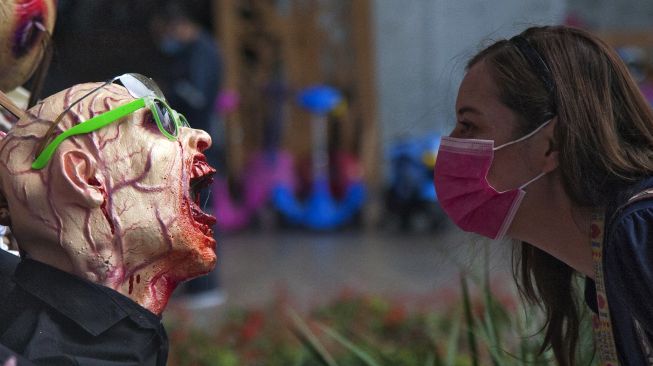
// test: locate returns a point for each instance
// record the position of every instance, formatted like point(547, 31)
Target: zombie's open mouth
point(201, 177)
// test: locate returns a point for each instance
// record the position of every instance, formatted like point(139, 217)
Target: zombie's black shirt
point(54, 318)
point(8, 263)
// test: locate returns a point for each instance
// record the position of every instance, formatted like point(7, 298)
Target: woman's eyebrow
point(467, 109)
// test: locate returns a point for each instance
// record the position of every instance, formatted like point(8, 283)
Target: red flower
point(253, 326)
point(395, 316)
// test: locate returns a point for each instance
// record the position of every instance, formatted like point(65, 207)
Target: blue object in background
point(411, 193)
point(411, 171)
point(319, 99)
point(320, 211)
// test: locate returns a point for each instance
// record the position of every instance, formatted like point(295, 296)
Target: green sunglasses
point(141, 87)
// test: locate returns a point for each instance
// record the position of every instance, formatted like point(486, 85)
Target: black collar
point(8, 263)
point(95, 308)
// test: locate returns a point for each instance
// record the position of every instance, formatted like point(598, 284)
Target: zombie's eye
point(165, 118)
point(150, 123)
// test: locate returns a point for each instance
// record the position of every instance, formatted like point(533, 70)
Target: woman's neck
point(549, 220)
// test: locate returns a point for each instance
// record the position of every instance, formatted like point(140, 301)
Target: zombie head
point(23, 27)
point(116, 203)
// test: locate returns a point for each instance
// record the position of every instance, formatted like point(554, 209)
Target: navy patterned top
point(628, 267)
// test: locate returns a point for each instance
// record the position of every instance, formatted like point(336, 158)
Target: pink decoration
point(230, 216)
point(264, 172)
point(227, 102)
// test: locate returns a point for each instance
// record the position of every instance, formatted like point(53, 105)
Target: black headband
point(536, 62)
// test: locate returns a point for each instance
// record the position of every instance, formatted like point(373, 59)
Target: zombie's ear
point(79, 169)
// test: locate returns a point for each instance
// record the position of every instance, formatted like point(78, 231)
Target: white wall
point(422, 47)
point(612, 14)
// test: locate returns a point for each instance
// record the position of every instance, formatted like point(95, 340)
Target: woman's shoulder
point(630, 200)
point(628, 260)
point(629, 231)
point(630, 222)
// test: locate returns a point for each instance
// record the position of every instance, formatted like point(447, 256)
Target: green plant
point(480, 328)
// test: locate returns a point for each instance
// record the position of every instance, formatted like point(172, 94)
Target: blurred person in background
point(191, 82)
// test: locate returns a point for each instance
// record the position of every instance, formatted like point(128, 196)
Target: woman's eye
point(465, 127)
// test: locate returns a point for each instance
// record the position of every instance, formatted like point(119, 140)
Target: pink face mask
point(463, 191)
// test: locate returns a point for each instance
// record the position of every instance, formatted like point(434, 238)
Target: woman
point(553, 139)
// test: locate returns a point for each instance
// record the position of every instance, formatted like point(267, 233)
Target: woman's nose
point(197, 139)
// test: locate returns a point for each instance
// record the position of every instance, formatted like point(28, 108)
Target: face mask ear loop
point(524, 137)
point(532, 180)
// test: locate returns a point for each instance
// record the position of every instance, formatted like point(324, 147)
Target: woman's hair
point(604, 136)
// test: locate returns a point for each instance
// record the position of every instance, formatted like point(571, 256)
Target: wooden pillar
point(301, 53)
point(227, 32)
point(371, 152)
point(643, 38)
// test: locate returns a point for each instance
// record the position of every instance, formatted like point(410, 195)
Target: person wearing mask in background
point(553, 147)
point(191, 83)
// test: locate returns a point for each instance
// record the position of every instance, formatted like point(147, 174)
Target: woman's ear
point(79, 170)
point(552, 153)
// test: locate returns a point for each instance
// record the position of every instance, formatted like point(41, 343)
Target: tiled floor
point(313, 267)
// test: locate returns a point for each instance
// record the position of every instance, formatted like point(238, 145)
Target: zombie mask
point(22, 30)
point(117, 205)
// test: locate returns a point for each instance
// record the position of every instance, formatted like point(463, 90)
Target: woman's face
point(481, 115)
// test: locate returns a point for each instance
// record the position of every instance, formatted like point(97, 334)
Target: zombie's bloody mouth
point(201, 177)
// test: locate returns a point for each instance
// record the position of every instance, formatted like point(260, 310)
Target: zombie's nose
point(198, 139)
